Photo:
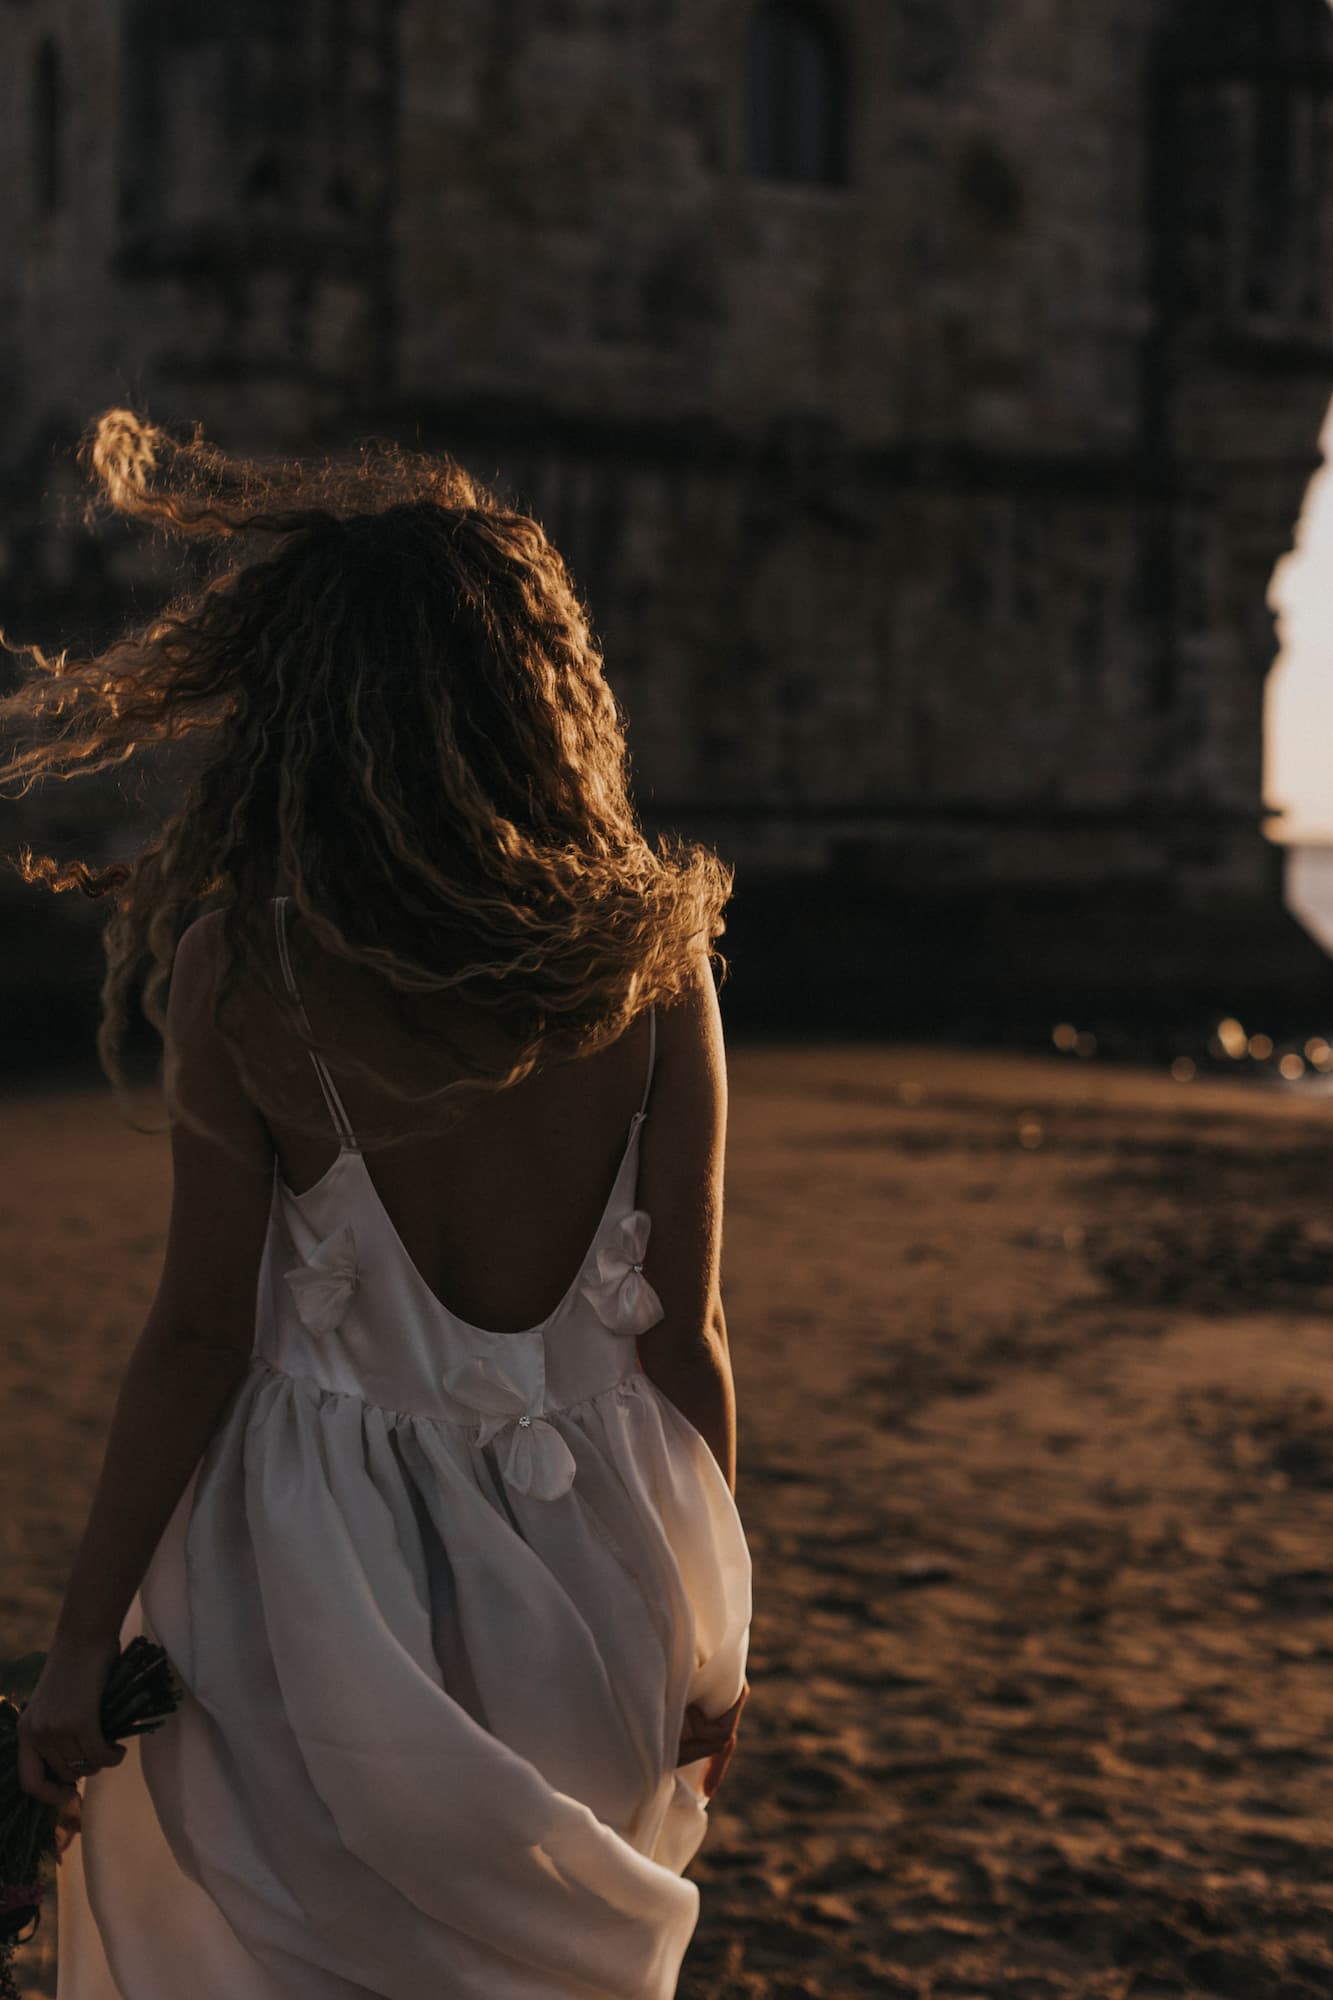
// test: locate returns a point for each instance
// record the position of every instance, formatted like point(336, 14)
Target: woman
point(452, 1576)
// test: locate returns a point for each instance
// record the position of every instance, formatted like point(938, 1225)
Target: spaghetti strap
point(337, 1110)
point(652, 1060)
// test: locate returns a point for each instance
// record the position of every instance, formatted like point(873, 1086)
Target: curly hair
point(401, 715)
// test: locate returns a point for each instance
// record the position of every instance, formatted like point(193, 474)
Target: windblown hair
point(401, 719)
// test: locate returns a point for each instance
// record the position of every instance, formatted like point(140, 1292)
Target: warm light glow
point(1232, 1037)
point(1317, 1050)
point(1298, 705)
point(1029, 1132)
point(1182, 1069)
point(1064, 1035)
point(1292, 1066)
point(1261, 1047)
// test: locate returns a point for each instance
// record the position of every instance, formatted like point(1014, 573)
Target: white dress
point(438, 1598)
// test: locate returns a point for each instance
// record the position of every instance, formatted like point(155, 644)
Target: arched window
point(48, 129)
point(795, 95)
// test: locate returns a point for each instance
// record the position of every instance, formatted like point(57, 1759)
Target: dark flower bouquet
point(140, 1694)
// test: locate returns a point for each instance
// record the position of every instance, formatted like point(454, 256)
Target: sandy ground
point(1036, 1403)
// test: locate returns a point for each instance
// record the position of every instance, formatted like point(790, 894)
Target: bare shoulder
point(203, 1088)
point(689, 1099)
point(690, 1039)
point(196, 974)
point(201, 962)
point(681, 1171)
point(199, 954)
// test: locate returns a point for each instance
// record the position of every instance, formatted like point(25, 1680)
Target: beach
point(1035, 1393)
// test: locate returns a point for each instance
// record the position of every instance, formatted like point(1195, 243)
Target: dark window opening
point(1271, 192)
point(796, 95)
point(1202, 164)
point(265, 179)
point(48, 137)
point(339, 195)
point(1309, 228)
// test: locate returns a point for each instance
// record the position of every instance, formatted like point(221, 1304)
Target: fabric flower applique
point(534, 1458)
point(619, 1293)
point(322, 1286)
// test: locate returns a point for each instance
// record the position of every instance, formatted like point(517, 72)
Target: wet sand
point(1035, 1382)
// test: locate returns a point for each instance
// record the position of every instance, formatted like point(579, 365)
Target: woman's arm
point(686, 1353)
point(189, 1361)
point(680, 1186)
point(697, 1378)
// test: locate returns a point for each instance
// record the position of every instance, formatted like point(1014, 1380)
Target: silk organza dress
point(438, 1598)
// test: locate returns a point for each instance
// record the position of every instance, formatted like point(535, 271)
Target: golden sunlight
point(1298, 724)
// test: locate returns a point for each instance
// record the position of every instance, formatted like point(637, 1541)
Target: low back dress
point(438, 1598)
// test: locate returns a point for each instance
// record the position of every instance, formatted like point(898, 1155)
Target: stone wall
point(927, 512)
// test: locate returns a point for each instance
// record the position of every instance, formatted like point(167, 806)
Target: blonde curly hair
point(400, 714)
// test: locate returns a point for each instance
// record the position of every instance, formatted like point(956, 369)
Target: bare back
point(496, 1208)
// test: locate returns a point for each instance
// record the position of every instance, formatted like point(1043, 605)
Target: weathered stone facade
point(922, 390)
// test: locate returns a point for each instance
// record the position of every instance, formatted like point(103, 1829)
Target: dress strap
point(652, 1059)
point(337, 1110)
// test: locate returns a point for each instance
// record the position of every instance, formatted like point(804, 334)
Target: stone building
point(922, 391)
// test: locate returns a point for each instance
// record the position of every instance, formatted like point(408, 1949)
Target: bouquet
point(140, 1694)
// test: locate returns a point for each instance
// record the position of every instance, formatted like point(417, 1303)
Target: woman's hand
point(713, 1737)
point(59, 1728)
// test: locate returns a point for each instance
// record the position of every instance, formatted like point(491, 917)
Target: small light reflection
point(1292, 1066)
point(1318, 1052)
point(1065, 1036)
point(1183, 1069)
point(1232, 1037)
point(1261, 1047)
point(1029, 1132)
